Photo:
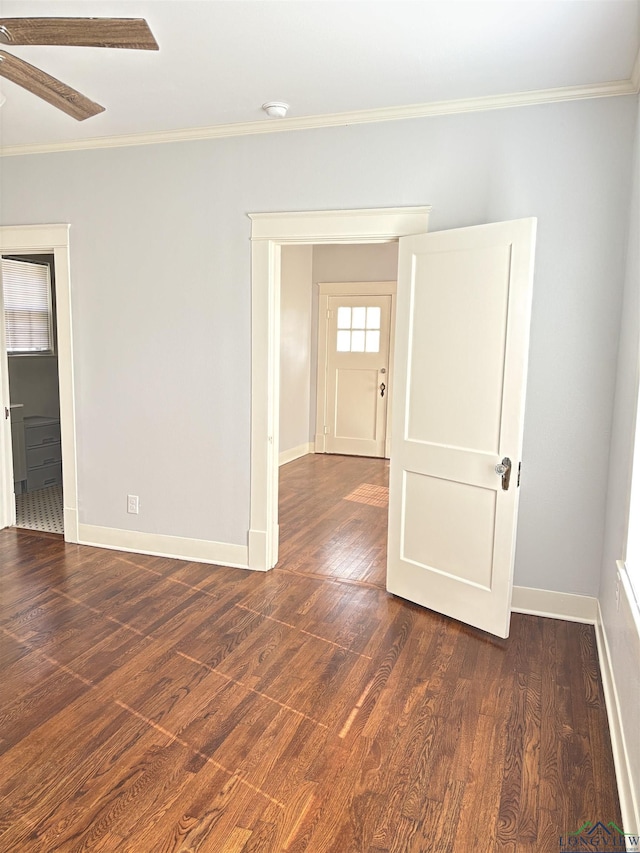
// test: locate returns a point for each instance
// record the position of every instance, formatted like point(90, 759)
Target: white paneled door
point(357, 389)
point(462, 331)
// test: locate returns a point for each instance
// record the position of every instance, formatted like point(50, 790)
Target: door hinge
point(6, 413)
point(519, 469)
point(326, 430)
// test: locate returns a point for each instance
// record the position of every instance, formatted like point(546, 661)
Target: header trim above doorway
point(370, 225)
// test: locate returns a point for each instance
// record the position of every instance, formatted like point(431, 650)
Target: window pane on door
point(357, 340)
point(344, 341)
point(373, 341)
point(344, 318)
point(373, 318)
point(358, 318)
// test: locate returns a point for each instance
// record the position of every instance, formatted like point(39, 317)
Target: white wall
point(295, 346)
point(160, 272)
point(620, 627)
point(375, 262)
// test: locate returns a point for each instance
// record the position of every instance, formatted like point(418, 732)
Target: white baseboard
point(295, 453)
point(159, 545)
point(555, 605)
point(620, 755)
point(70, 524)
point(628, 795)
point(257, 550)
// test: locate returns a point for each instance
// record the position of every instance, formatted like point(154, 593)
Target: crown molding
point(434, 108)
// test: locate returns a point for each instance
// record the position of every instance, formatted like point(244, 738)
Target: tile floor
point(41, 510)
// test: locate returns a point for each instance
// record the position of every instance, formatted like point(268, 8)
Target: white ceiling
point(219, 60)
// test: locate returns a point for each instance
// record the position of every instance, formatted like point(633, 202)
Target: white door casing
point(352, 412)
point(463, 309)
point(44, 239)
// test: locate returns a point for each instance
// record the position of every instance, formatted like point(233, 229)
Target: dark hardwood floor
point(323, 534)
point(149, 705)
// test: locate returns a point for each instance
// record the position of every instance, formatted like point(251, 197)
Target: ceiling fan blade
point(133, 33)
point(47, 87)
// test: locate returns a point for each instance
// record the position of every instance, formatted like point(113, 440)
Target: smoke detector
point(275, 109)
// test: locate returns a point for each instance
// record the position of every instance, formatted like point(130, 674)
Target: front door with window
point(357, 374)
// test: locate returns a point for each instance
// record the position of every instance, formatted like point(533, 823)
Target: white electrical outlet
point(133, 504)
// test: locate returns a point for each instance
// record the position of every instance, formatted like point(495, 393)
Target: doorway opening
point(30, 322)
point(270, 233)
point(336, 319)
point(38, 438)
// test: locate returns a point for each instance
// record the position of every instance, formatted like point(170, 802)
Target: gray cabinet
point(17, 443)
point(43, 452)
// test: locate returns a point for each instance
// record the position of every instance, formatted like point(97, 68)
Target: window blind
point(27, 306)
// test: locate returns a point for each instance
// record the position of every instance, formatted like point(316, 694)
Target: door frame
point(349, 288)
point(51, 240)
point(269, 232)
